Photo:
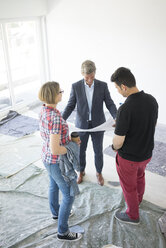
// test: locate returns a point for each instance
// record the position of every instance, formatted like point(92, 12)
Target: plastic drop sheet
point(17, 153)
point(25, 219)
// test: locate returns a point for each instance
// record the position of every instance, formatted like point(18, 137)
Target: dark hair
point(123, 76)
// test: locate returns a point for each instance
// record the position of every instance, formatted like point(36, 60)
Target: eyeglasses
point(61, 91)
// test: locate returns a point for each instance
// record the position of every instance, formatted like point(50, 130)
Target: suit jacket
point(78, 99)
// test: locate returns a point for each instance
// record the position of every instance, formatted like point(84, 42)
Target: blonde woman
point(55, 134)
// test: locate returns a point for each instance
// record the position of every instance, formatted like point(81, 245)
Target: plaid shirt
point(51, 122)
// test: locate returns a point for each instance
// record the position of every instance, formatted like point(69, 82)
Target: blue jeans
point(62, 210)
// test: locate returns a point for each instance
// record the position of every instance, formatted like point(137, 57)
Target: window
point(21, 63)
point(5, 100)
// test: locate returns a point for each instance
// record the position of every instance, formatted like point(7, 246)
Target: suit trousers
point(97, 141)
point(132, 180)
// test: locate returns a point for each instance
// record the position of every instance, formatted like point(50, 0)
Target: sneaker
point(123, 217)
point(71, 236)
point(56, 217)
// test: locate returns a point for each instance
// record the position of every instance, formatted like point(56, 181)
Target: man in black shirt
point(133, 140)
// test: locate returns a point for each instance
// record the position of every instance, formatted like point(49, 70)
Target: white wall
point(22, 8)
point(112, 33)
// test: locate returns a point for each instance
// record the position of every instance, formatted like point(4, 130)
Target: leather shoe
point(80, 177)
point(100, 179)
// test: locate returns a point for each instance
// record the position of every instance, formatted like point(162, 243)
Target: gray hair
point(88, 67)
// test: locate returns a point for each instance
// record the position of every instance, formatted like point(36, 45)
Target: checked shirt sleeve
point(55, 125)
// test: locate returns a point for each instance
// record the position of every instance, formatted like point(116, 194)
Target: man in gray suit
point(89, 94)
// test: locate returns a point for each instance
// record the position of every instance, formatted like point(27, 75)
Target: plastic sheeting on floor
point(162, 224)
point(18, 125)
point(157, 164)
point(17, 153)
point(26, 220)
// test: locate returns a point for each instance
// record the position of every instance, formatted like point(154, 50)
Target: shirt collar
point(92, 86)
point(51, 108)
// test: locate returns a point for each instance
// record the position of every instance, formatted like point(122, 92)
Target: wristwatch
point(113, 148)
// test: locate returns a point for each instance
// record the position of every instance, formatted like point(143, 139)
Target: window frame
point(43, 57)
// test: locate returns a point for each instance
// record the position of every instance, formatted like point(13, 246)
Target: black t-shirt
point(136, 119)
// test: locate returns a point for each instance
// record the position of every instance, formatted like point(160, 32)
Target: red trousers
point(132, 180)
